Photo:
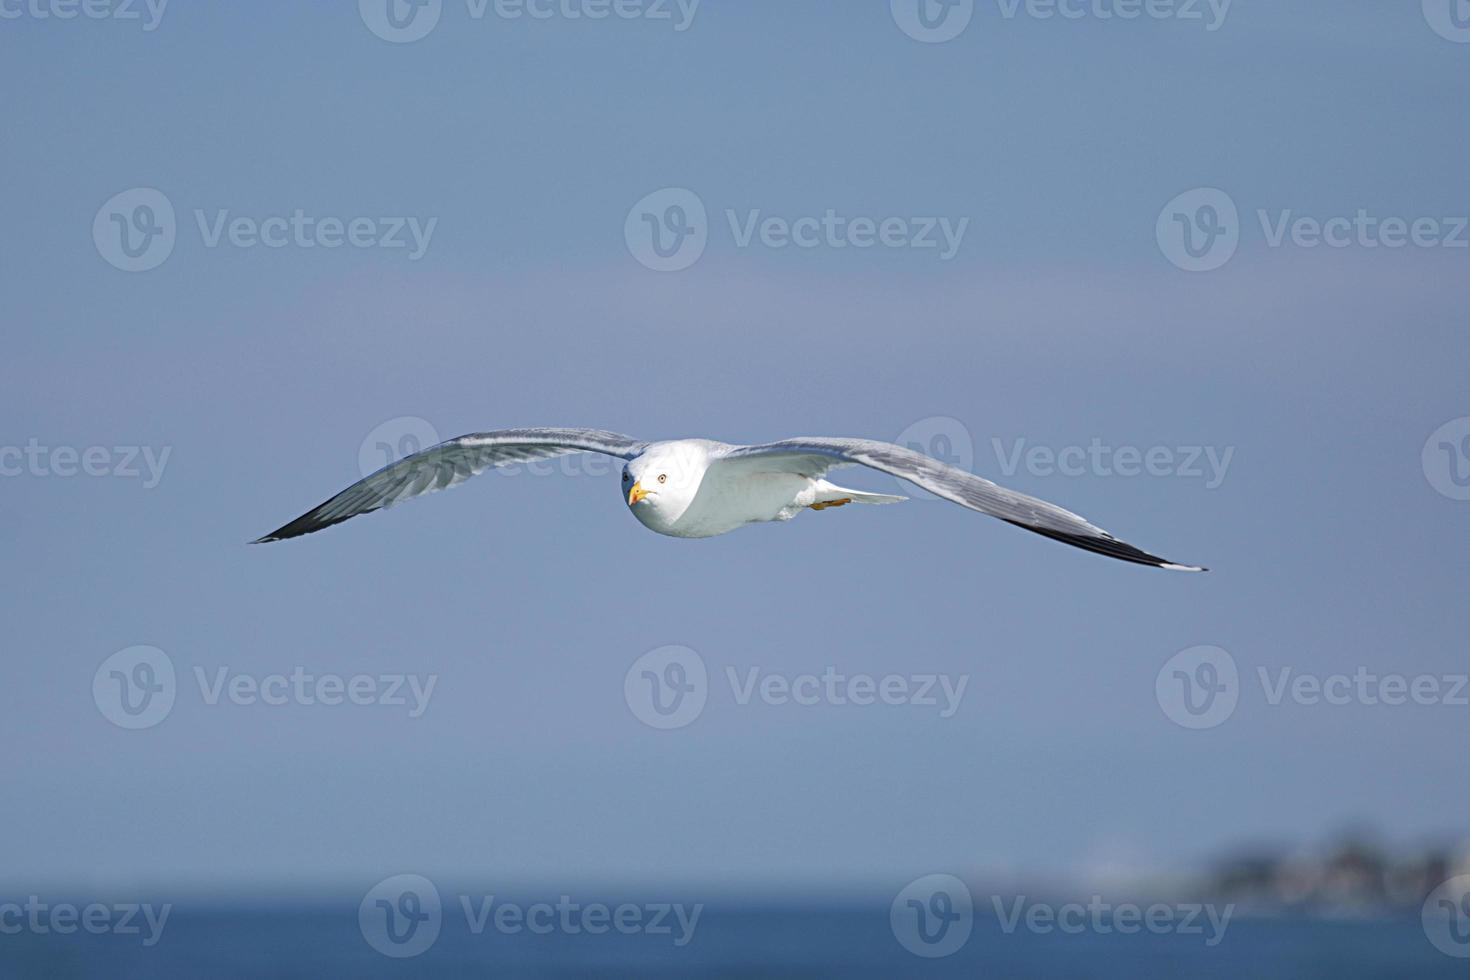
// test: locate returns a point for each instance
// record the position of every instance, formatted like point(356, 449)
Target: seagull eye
point(625, 476)
point(663, 477)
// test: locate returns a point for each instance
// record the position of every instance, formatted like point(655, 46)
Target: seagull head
point(660, 484)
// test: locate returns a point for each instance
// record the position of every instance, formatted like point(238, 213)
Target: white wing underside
point(448, 465)
point(814, 456)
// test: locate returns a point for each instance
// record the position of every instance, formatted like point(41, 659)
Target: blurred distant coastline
point(1357, 875)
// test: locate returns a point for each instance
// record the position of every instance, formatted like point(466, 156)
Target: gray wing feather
point(813, 456)
point(449, 464)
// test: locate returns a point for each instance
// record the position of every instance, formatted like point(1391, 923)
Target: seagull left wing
point(814, 455)
point(450, 464)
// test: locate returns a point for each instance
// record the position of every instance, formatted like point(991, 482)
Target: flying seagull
point(697, 488)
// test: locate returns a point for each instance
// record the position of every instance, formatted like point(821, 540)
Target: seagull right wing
point(449, 464)
point(815, 455)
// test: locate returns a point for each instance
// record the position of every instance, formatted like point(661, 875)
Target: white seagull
point(697, 488)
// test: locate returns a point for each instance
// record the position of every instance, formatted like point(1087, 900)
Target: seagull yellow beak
point(636, 493)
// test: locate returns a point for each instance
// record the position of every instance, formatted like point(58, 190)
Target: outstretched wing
point(815, 455)
point(449, 464)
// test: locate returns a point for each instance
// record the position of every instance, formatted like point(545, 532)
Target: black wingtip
point(1112, 548)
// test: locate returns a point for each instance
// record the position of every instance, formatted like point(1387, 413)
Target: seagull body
point(738, 495)
point(699, 488)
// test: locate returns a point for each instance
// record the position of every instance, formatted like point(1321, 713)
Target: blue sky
point(1059, 320)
